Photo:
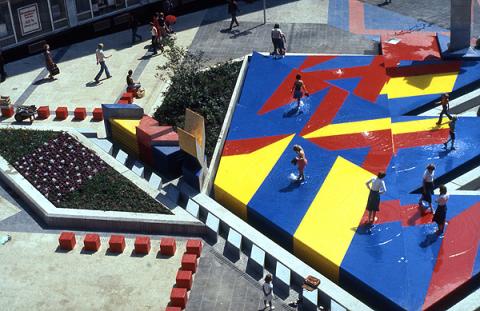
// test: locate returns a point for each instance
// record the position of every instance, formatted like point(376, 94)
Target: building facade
point(24, 21)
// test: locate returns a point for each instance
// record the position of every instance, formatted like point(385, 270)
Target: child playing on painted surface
point(427, 187)
point(298, 89)
point(376, 185)
point(301, 161)
point(451, 124)
point(267, 289)
point(441, 212)
point(445, 107)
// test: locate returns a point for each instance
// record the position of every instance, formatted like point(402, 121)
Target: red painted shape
point(189, 262)
point(80, 113)
point(116, 244)
point(456, 257)
point(168, 246)
point(326, 112)
point(178, 297)
point(416, 139)
point(67, 240)
point(184, 279)
point(8, 112)
point(244, 146)
point(424, 69)
point(373, 79)
point(61, 113)
point(408, 215)
point(91, 242)
point(97, 114)
point(43, 112)
point(311, 61)
point(416, 45)
point(142, 245)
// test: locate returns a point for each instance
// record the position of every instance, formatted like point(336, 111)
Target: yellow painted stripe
point(326, 230)
point(420, 85)
point(239, 176)
point(350, 128)
point(417, 126)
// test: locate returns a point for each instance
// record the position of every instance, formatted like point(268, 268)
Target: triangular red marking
point(244, 146)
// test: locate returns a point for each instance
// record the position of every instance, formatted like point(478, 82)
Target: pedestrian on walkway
point(427, 187)
point(376, 185)
point(451, 125)
point(278, 40)
point(101, 60)
point(441, 212)
point(51, 66)
point(300, 160)
point(267, 289)
point(444, 101)
point(154, 33)
point(134, 26)
point(298, 89)
point(3, 74)
point(233, 10)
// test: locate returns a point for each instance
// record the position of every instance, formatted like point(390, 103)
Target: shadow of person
point(429, 240)
point(42, 81)
point(294, 184)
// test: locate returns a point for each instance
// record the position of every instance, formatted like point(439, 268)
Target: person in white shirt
point(278, 40)
point(376, 185)
point(267, 289)
point(441, 212)
point(427, 187)
point(101, 60)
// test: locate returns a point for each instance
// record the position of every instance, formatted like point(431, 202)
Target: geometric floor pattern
point(353, 125)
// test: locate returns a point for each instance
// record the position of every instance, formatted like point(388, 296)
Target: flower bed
point(72, 176)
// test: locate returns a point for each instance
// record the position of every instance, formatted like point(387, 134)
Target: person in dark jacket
point(49, 63)
point(233, 10)
point(134, 26)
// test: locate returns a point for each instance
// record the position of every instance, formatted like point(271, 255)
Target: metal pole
point(264, 11)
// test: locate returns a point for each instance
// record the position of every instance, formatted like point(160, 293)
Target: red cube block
point(168, 246)
point(127, 96)
point(142, 245)
point(43, 112)
point(194, 247)
point(61, 113)
point(8, 112)
point(67, 240)
point(123, 102)
point(189, 262)
point(178, 297)
point(184, 279)
point(91, 242)
point(116, 243)
point(97, 114)
point(80, 113)
point(170, 308)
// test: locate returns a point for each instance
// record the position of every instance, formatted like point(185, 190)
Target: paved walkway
point(313, 26)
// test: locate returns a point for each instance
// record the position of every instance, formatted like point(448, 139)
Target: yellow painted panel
point(240, 176)
point(127, 125)
point(417, 126)
point(326, 230)
point(420, 85)
point(350, 128)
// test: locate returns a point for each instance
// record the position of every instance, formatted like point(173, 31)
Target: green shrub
point(205, 91)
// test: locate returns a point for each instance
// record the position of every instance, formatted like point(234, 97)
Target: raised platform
point(351, 127)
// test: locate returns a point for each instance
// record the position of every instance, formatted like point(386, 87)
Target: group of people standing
point(377, 187)
point(160, 29)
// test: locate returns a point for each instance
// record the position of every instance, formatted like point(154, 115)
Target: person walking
point(134, 26)
point(301, 161)
point(451, 125)
point(376, 185)
point(233, 10)
point(278, 40)
point(444, 101)
point(441, 212)
point(51, 66)
point(298, 89)
point(154, 33)
point(3, 73)
point(267, 289)
point(427, 187)
point(101, 60)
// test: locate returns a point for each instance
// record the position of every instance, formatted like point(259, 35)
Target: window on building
point(83, 9)
point(101, 7)
point(59, 13)
point(31, 18)
point(6, 32)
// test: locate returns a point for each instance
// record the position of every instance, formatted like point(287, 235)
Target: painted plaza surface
point(353, 125)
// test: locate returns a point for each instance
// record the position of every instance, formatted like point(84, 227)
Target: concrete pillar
point(460, 24)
